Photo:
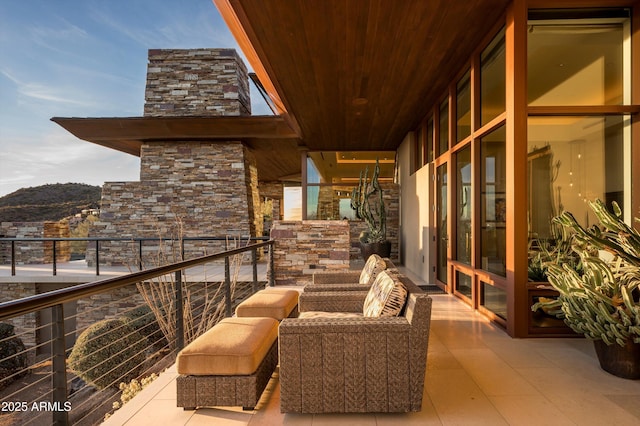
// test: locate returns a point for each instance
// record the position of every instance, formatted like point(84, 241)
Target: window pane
point(441, 215)
point(575, 62)
point(494, 299)
point(493, 206)
point(493, 80)
point(443, 128)
point(463, 195)
point(573, 160)
point(429, 140)
point(463, 107)
point(464, 284)
point(329, 202)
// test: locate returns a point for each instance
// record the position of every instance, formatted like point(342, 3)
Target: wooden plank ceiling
point(358, 75)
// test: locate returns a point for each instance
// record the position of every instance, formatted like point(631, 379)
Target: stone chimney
point(196, 82)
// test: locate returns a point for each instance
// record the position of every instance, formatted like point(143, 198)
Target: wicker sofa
point(355, 364)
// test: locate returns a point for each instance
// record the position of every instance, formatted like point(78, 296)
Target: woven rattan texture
point(337, 365)
point(243, 391)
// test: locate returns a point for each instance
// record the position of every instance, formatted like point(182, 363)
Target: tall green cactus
point(367, 201)
point(604, 301)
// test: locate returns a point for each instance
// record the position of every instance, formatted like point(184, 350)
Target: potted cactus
point(602, 301)
point(367, 201)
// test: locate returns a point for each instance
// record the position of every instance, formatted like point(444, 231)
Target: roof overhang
point(358, 75)
point(276, 146)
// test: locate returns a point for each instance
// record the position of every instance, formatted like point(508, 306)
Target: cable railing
point(136, 247)
point(74, 355)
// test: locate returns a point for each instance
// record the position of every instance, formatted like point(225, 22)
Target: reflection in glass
point(443, 128)
point(494, 299)
point(463, 199)
point(464, 284)
point(493, 202)
point(575, 62)
point(573, 160)
point(441, 215)
point(329, 202)
point(493, 80)
point(463, 107)
point(429, 140)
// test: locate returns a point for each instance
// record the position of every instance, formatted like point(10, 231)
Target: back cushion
point(374, 265)
point(386, 297)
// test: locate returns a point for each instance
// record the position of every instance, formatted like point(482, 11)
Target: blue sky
point(85, 58)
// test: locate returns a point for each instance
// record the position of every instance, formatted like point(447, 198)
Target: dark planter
point(621, 361)
point(381, 249)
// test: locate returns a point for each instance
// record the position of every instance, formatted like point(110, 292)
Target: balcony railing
point(137, 244)
point(166, 307)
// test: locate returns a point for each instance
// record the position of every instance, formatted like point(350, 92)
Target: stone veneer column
point(186, 188)
point(303, 247)
point(196, 82)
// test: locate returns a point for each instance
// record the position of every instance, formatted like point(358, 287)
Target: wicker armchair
point(350, 280)
point(361, 364)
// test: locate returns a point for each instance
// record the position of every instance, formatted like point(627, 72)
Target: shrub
point(107, 353)
point(13, 358)
point(143, 320)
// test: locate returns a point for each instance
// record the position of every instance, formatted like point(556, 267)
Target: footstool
point(271, 302)
point(229, 365)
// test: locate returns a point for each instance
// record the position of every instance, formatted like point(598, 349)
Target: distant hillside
point(48, 202)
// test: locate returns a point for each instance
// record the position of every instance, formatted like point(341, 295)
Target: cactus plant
point(367, 201)
point(603, 301)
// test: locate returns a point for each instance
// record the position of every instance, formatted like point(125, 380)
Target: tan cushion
point(234, 346)
point(374, 265)
point(271, 302)
point(385, 298)
point(323, 314)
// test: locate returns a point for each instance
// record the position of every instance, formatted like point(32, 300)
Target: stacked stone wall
point(196, 82)
point(188, 189)
point(34, 252)
point(304, 247)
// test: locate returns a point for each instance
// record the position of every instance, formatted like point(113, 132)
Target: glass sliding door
point(493, 208)
point(464, 205)
point(442, 233)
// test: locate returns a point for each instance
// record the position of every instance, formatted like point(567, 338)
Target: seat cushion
point(271, 302)
point(385, 298)
point(374, 265)
point(234, 346)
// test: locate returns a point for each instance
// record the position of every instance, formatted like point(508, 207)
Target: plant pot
point(621, 361)
point(381, 249)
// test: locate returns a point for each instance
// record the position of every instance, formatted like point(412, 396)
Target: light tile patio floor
point(476, 375)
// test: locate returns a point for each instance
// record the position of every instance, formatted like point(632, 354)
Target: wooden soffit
point(358, 75)
point(275, 145)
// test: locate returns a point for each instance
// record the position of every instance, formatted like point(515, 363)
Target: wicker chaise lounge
point(339, 364)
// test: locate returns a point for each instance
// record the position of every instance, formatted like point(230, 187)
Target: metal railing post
point(254, 264)
point(13, 257)
point(272, 271)
point(179, 313)
point(140, 254)
point(53, 255)
point(227, 286)
point(97, 257)
point(59, 366)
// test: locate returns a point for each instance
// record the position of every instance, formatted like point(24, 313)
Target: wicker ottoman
point(229, 365)
point(271, 302)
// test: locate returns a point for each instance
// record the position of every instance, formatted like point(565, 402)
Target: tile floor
point(476, 375)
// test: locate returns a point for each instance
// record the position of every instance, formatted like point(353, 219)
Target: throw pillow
point(386, 297)
point(374, 265)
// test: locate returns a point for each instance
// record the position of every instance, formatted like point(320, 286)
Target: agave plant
point(602, 301)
